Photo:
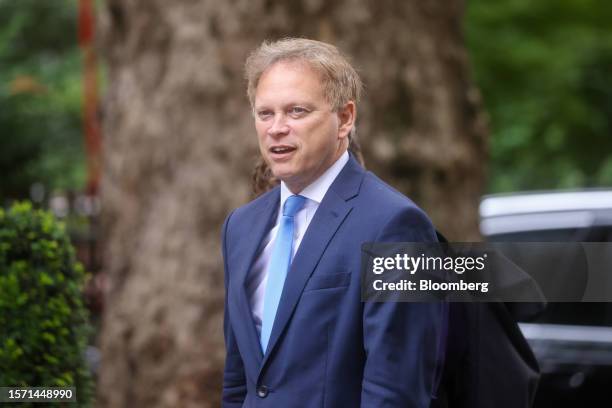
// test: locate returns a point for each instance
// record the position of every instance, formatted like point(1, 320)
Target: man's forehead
point(289, 78)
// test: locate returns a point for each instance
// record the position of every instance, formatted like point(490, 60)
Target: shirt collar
point(316, 190)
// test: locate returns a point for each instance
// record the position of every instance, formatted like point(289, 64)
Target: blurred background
point(129, 122)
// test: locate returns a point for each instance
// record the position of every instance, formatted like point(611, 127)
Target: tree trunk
point(179, 146)
point(422, 126)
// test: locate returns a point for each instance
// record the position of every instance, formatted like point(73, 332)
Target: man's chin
point(282, 173)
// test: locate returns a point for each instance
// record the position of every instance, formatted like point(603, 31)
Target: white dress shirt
point(314, 193)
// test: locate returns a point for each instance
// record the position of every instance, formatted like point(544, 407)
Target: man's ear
point(346, 119)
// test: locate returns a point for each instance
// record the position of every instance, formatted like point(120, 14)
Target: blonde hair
point(341, 83)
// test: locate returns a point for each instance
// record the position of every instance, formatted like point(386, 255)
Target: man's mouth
point(281, 151)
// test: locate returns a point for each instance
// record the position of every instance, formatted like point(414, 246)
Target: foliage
point(40, 101)
point(43, 322)
point(544, 71)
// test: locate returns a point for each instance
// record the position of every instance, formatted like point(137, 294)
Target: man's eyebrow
point(304, 104)
point(259, 107)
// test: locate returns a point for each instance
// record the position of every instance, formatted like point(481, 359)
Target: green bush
point(43, 321)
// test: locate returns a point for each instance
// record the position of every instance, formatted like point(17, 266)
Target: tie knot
point(293, 204)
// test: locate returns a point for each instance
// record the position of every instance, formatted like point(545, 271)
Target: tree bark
point(423, 128)
point(180, 145)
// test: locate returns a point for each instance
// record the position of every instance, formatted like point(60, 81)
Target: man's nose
point(279, 126)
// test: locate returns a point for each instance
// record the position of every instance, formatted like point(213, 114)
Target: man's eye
point(297, 111)
point(264, 114)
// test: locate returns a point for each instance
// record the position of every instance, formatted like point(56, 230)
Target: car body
point(571, 341)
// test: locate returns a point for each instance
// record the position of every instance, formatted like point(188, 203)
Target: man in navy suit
point(297, 333)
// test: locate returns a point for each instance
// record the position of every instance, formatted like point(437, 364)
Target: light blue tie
point(279, 264)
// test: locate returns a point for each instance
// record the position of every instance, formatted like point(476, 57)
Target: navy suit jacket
point(327, 348)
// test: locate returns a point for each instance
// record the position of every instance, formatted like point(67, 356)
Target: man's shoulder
point(394, 216)
point(264, 202)
point(382, 194)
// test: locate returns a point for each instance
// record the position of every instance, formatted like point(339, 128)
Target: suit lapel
point(262, 222)
point(329, 216)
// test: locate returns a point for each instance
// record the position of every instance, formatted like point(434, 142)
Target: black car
point(571, 341)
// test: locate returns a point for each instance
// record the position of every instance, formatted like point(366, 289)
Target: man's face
point(299, 135)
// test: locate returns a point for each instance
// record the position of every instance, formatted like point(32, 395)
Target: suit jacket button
point(262, 391)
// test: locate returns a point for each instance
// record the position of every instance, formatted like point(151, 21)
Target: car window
point(572, 313)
